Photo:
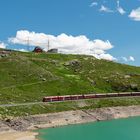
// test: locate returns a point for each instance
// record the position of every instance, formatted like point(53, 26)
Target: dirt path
point(21, 104)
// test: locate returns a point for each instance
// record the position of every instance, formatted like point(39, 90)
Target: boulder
point(72, 63)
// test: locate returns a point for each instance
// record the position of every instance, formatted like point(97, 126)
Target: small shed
point(38, 50)
point(53, 51)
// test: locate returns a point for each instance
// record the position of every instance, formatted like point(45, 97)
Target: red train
point(88, 96)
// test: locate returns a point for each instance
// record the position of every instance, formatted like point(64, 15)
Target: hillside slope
point(28, 77)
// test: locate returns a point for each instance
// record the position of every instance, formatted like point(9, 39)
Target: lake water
point(121, 129)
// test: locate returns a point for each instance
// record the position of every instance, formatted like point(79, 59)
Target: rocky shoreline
point(24, 125)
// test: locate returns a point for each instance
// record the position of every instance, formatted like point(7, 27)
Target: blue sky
point(95, 19)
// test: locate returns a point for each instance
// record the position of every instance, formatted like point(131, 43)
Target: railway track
point(75, 97)
point(20, 104)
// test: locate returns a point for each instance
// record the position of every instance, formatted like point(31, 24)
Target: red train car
point(88, 96)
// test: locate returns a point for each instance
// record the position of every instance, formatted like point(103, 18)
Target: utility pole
point(48, 44)
point(28, 43)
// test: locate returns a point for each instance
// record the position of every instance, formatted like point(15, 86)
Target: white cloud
point(135, 14)
point(93, 4)
point(124, 59)
point(105, 9)
point(120, 9)
point(66, 44)
point(131, 58)
point(2, 45)
point(107, 57)
point(21, 50)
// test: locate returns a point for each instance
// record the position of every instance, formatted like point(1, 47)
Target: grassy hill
point(28, 77)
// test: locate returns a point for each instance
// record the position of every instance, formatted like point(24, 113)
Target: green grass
point(28, 77)
point(66, 106)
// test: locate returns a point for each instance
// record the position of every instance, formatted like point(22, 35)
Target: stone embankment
point(25, 124)
point(68, 117)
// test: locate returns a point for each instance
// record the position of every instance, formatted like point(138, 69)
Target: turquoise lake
point(121, 129)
